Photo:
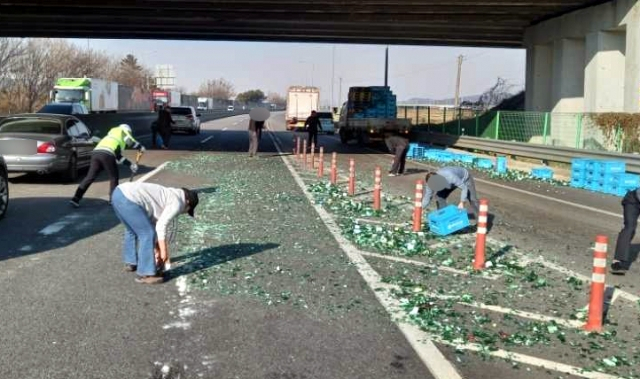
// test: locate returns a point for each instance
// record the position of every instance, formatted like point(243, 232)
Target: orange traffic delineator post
point(596, 300)
point(417, 210)
point(321, 163)
point(334, 168)
point(481, 235)
point(377, 187)
point(313, 155)
point(352, 177)
point(304, 154)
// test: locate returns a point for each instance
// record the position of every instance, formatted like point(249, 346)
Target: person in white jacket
point(146, 210)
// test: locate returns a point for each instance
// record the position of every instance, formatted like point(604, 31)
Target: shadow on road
point(40, 224)
point(213, 256)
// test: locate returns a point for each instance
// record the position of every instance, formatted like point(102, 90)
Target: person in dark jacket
point(398, 146)
point(313, 125)
point(630, 211)
point(164, 125)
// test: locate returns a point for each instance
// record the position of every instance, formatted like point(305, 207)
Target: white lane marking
point(152, 173)
point(435, 361)
point(60, 224)
point(206, 139)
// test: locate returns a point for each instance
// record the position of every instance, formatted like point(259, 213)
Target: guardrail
point(526, 150)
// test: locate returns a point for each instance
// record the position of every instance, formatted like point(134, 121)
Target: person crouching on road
point(106, 156)
point(630, 211)
point(146, 210)
point(444, 181)
point(398, 146)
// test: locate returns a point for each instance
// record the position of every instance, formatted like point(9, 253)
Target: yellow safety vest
point(116, 138)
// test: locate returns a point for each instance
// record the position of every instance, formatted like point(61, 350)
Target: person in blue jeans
point(146, 210)
point(444, 181)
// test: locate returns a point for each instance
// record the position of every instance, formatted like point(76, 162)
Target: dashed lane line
point(435, 361)
point(206, 139)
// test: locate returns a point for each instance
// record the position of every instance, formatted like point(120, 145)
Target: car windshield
point(181, 111)
point(69, 95)
point(325, 115)
point(31, 125)
point(56, 109)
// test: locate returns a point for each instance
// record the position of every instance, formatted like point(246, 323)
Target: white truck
point(205, 103)
point(300, 102)
point(370, 115)
point(97, 95)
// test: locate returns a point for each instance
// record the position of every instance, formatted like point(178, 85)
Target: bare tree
point(30, 79)
point(496, 94)
point(10, 49)
point(276, 98)
point(219, 89)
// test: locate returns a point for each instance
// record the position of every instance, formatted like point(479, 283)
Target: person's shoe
point(75, 202)
point(392, 174)
point(130, 268)
point(149, 279)
point(619, 268)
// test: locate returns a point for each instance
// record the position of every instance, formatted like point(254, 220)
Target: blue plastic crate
point(542, 173)
point(418, 152)
point(610, 188)
point(466, 158)
point(578, 182)
point(628, 180)
point(579, 175)
point(613, 167)
point(484, 163)
point(448, 220)
point(579, 164)
point(445, 157)
point(594, 186)
point(501, 165)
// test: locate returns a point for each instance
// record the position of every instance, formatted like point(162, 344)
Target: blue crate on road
point(594, 186)
point(613, 167)
point(466, 158)
point(579, 174)
point(448, 220)
point(417, 153)
point(620, 191)
point(501, 165)
point(579, 164)
point(542, 173)
point(484, 163)
point(628, 180)
point(578, 182)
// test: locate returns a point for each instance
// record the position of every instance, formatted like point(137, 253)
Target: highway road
point(261, 288)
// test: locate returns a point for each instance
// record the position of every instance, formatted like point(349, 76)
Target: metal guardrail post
point(579, 131)
point(497, 125)
point(545, 129)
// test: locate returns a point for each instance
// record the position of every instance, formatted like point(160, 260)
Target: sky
point(414, 71)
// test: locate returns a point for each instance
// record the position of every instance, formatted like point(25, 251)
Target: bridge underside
point(499, 23)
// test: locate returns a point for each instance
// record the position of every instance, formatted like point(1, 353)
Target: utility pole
point(457, 97)
point(340, 94)
point(386, 67)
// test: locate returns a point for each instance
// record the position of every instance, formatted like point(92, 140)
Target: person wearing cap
point(106, 156)
point(444, 181)
point(398, 146)
point(146, 209)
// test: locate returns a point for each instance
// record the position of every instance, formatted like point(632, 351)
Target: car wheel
point(72, 170)
point(343, 137)
point(4, 194)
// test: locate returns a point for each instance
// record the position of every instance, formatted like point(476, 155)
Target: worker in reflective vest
point(106, 156)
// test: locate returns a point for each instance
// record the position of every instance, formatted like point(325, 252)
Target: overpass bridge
point(582, 55)
point(434, 22)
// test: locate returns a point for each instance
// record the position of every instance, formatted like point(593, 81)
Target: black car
point(4, 188)
point(64, 108)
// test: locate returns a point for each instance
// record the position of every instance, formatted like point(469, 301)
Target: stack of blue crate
point(448, 220)
point(579, 172)
point(485, 163)
point(542, 173)
point(501, 165)
point(624, 183)
point(602, 176)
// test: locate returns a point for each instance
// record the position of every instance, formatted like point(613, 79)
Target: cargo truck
point(97, 95)
point(300, 102)
point(370, 115)
point(161, 97)
point(205, 103)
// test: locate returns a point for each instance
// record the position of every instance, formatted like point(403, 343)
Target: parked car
point(231, 108)
point(186, 120)
point(64, 108)
point(46, 143)
point(4, 187)
point(326, 120)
